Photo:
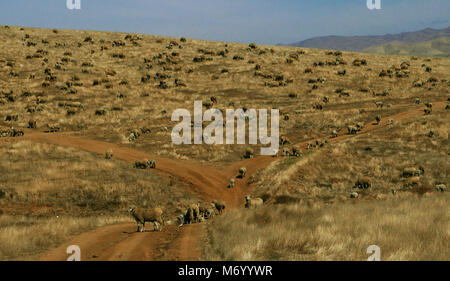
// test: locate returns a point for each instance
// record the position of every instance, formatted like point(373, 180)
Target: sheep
point(32, 124)
point(354, 195)
point(429, 105)
point(412, 171)
point(231, 184)
point(109, 154)
point(417, 101)
point(413, 181)
point(189, 216)
point(427, 111)
point(440, 187)
point(364, 182)
point(181, 219)
point(248, 153)
point(242, 172)
point(253, 203)
point(352, 130)
point(378, 119)
point(16, 133)
point(4, 133)
point(52, 127)
point(151, 164)
point(379, 104)
point(152, 215)
point(286, 151)
point(296, 151)
point(140, 164)
point(334, 134)
point(210, 213)
point(359, 126)
point(311, 145)
point(205, 209)
point(220, 206)
point(284, 140)
point(342, 72)
point(193, 213)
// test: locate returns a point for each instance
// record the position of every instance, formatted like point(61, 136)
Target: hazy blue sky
point(260, 21)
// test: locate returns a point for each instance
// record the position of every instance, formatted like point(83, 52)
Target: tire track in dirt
point(121, 242)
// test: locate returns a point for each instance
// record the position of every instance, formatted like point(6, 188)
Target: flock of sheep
point(194, 213)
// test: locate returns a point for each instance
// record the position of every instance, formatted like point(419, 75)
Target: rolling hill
point(359, 43)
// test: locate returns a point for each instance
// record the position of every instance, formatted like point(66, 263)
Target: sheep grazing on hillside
point(242, 172)
point(284, 140)
point(181, 219)
point(140, 164)
point(252, 203)
point(206, 209)
point(152, 215)
point(379, 104)
point(296, 151)
point(193, 213)
point(16, 133)
point(378, 119)
point(413, 181)
point(109, 154)
point(354, 195)
point(364, 182)
point(359, 126)
point(189, 216)
point(220, 206)
point(440, 187)
point(151, 164)
point(412, 172)
point(231, 184)
point(286, 151)
point(352, 130)
point(334, 134)
point(248, 153)
point(32, 124)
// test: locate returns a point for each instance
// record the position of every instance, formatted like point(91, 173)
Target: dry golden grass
point(47, 180)
point(22, 237)
point(135, 103)
point(42, 181)
point(408, 228)
point(330, 173)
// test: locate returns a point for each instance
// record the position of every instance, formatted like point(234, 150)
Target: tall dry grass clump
point(408, 228)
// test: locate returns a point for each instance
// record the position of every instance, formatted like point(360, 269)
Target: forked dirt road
point(122, 242)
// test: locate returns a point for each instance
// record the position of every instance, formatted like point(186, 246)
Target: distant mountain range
point(417, 42)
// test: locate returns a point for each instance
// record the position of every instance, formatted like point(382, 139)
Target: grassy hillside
point(434, 48)
point(404, 229)
point(103, 85)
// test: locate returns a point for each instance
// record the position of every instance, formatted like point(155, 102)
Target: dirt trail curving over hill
point(122, 242)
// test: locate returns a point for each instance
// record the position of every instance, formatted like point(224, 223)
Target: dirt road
point(122, 242)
